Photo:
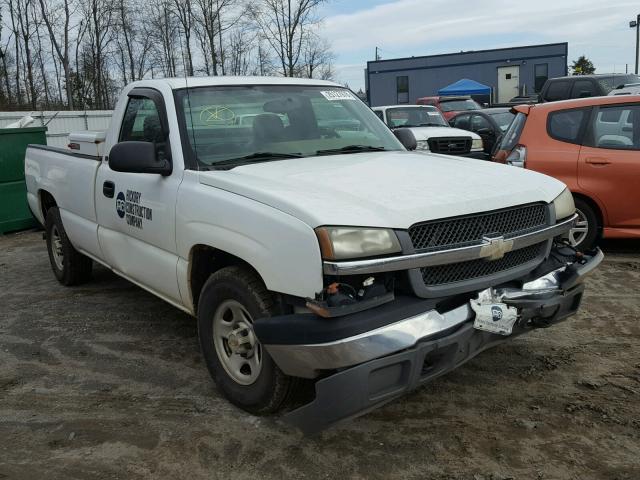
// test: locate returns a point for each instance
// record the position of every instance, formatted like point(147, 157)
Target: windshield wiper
point(256, 157)
point(432, 125)
point(350, 149)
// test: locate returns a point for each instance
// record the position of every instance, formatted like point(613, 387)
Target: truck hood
point(425, 133)
point(383, 189)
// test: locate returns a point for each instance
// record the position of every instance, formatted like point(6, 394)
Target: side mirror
point(585, 94)
point(406, 138)
point(484, 131)
point(138, 157)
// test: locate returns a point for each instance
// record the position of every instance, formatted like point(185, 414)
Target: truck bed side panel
point(70, 179)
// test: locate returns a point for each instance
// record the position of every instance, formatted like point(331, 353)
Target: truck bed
point(70, 178)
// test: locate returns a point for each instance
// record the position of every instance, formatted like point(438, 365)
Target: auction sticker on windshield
point(338, 94)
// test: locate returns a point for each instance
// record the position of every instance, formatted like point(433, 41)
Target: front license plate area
point(494, 317)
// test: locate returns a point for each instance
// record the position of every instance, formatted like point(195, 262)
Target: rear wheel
point(69, 266)
point(231, 299)
point(585, 233)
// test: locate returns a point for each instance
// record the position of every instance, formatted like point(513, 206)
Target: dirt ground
point(106, 381)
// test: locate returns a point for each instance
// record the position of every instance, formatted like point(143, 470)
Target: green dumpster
point(14, 210)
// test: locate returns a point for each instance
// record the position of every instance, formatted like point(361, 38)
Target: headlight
point(422, 145)
point(340, 243)
point(477, 144)
point(564, 205)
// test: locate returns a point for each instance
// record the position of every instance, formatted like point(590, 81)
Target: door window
point(565, 125)
point(141, 122)
point(479, 123)
point(583, 89)
point(616, 127)
point(557, 91)
point(462, 121)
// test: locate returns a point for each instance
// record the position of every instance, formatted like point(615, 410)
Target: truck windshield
point(459, 105)
point(415, 117)
point(234, 125)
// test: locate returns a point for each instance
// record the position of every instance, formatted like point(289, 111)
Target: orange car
point(592, 145)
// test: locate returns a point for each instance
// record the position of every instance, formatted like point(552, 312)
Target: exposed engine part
point(339, 299)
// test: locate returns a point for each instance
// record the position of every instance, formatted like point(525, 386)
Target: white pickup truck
point(432, 132)
point(308, 242)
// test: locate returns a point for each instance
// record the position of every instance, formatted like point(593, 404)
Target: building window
point(541, 75)
point(402, 86)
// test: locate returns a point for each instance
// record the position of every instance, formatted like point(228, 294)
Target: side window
point(616, 127)
point(583, 89)
point(479, 123)
point(541, 73)
point(557, 91)
point(565, 125)
point(402, 87)
point(462, 122)
point(141, 122)
point(379, 114)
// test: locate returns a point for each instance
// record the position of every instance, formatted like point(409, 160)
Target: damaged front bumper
point(419, 344)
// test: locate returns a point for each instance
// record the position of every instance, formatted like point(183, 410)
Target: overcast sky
point(401, 28)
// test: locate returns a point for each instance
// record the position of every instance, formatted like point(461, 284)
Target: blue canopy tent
point(465, 86)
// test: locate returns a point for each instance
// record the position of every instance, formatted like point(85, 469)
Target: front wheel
point(584, 234)
point(230, 301)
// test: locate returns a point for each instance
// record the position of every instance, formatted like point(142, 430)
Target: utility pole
point(636, 24)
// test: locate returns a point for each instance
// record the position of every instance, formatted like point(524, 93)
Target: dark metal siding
point(428, 74)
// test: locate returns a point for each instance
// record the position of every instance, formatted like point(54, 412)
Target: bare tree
point(77, 53)
point(285, 24)
point(5, 86)
point(99, 17)
point(40, 56)
point(184, 14)
point(209, 13)
point(57, 18)
point(21, 19)
point(318, 57)
point(240, 47)
point(133, 44)
point(162, 30)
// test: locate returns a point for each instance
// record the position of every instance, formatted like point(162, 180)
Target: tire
point(585, 236)
point(69, 266)
point(259, 389)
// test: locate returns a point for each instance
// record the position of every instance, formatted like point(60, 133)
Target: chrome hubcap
point(579, 232)
point(56, 248)
point(237, 347)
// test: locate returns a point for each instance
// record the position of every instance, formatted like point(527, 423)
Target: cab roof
point(577, 103)
point(191, 82)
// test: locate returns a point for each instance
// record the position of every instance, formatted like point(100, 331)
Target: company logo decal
point(120, 204)
point(496, 313)
point(129, 207)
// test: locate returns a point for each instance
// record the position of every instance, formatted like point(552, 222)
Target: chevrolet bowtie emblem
point(494, 248)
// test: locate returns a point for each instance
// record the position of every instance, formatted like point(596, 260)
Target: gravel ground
point(106, 381)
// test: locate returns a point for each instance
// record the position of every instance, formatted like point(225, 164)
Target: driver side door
point(485, 130)
point(136, 211)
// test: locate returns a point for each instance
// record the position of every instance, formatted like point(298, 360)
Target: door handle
point(597, 161)
point(108, 189)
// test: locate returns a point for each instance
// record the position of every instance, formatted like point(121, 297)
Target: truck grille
point(476, 269)
point(451, 146)
point(470, 229)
